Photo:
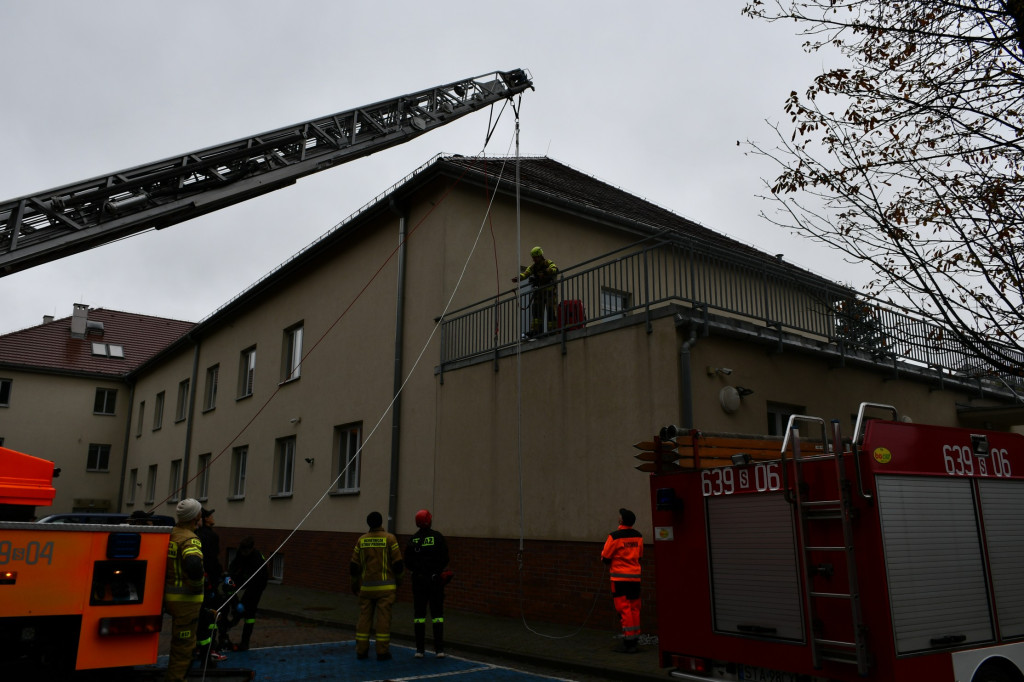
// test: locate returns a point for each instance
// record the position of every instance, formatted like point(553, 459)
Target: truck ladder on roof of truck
point(821, 512)
point(42, 227)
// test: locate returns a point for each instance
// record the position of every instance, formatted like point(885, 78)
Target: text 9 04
point(31, 554)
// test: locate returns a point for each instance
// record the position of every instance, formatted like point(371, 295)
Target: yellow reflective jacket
point(184, 564)
point(376, 564)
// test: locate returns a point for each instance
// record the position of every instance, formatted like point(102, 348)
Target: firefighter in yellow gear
point(543, 299)
point(376, 569)
point(183, 588)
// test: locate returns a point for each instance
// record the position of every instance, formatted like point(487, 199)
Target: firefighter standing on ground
point(426, 555)
point(248, 568)
point(622, 552)
point(183, 587)
point(376, 567)
point(206, 640)
point(542, 302)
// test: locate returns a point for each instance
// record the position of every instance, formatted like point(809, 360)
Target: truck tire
point(997, 671)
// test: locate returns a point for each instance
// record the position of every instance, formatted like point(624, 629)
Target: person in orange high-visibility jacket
point(376, 568)
point(622, 553)
point(183, 588)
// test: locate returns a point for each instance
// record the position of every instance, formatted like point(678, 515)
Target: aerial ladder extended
point(48, 225)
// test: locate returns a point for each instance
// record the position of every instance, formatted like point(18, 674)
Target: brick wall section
point(556, 582)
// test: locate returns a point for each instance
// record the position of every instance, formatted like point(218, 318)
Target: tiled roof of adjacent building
point(51, 347)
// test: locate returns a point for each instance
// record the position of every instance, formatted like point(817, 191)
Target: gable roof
point(50, 347)
point(541, 180)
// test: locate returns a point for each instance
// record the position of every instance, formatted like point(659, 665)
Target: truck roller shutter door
point(755, 585)
point(1002, 507)
point(934, 566)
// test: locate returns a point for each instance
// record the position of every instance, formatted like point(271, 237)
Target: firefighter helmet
point(423, 519)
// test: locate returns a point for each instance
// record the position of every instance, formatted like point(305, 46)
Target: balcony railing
point(710, 279)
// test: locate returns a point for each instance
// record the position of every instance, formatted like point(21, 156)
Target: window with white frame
point(613, 302)
point(203, 477)
point(348, 440)
point(108, 350)
point(5, 392)
point(181, 411)
point(98, 458)
point(151, 484)
point(105, 402)
point(174, 485)
point(142, 414)
point(238, 461)
point(246, 372)
point(210, 395)
point(277, 568)
point(291, 360)
point(284, 465)
point(158, 411)
point(133, 483)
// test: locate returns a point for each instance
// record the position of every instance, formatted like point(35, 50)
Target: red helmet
point(423, 518)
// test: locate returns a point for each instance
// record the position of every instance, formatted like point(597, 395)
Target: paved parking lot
point(337, 660)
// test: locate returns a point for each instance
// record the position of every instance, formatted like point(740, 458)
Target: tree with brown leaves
point(909, 157)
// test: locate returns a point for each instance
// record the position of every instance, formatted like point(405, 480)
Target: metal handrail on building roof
point(678, 272)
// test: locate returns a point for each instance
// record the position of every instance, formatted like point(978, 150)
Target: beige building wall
point(51, 416)
point(537, 444)
point(347, 376)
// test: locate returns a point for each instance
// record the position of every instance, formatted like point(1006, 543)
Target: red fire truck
point(896, 555)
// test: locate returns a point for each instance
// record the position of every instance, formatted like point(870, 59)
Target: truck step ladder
point(828, 511)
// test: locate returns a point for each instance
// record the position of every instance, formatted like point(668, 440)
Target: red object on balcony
point(571, 315)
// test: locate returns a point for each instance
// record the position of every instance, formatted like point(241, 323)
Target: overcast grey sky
point(648, 96)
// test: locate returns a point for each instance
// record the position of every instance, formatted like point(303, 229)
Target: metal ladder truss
point(55, 223)
point(813, 516)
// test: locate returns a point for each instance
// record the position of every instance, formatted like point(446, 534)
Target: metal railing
point(637, 280)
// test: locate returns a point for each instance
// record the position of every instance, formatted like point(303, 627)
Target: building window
point(613, 303)
point(181, 411)
point(158, 411)
point(238, 457)
point(277, 568)
point(291, 362)
point(5, 392)
point(133, 483)
point(778, 418)
point(108, 350)
point(284, 465)
point(246, 372)
point(174, 485)
point(210, 396)
point(347, 444)
point(203, 477)
point(151, 484)
point(106, 399)
point(142, 413)
point(99, 458)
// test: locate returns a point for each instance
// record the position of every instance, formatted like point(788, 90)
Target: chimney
point(47, 319)
point(79, 320)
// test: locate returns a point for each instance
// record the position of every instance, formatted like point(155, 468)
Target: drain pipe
point(686, 380)
point(396, 410)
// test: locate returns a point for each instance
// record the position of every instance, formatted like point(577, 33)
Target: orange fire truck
point(896, 555)
point(73, 597)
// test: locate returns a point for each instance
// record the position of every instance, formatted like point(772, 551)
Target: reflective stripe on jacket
point(377, 561)
point(183, 545)
point(622, 552)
